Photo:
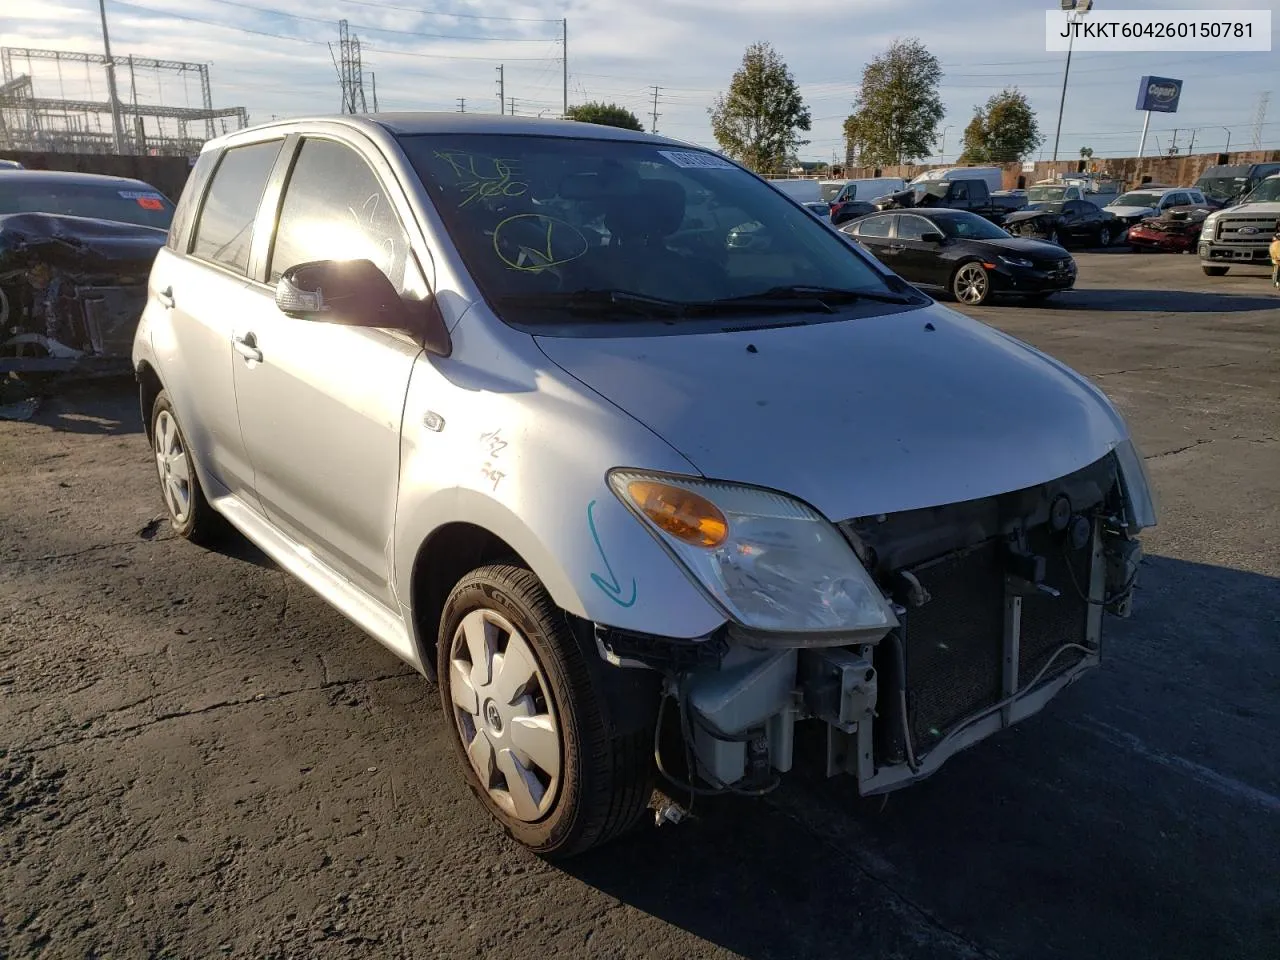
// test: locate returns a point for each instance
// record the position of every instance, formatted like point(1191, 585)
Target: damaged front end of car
point(71, 291)
point(958, 620)
point(1033, 225)
point(1176, 230)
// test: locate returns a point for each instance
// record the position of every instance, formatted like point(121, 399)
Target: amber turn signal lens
point(681, 513)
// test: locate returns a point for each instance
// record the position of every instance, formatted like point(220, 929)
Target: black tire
point(1056, 237)
point(200, 523)
point(605, 720)
point(1214, 271)
point(1104, 236)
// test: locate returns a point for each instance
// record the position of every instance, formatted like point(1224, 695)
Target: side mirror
point(351, 292)
point(933, 237)
point(357, 293)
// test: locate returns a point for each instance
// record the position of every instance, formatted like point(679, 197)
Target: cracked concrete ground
point(201, 759)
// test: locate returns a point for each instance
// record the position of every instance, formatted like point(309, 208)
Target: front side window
point(224, 232)
point(535, 216)
point(335, 209)
point(914, 228)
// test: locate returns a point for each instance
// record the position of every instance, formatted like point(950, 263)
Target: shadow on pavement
point(1180, 301)
point(94, 406)
point(1136, 817)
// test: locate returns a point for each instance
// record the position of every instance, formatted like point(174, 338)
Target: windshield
point(123, 202)
point(1041, 194)
point(1268, 191)
point(1047, 207)
point(540, 219)
point(1136, 200)
point(970, 226)
point(1223, 188)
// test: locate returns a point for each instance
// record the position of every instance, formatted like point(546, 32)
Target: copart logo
point(1163, 92)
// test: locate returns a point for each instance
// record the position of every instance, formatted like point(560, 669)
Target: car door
point(203, 291)
point(916, 260)
point(320, 403)
point(873, 233)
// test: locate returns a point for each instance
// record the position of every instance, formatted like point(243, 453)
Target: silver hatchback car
point(638, 498)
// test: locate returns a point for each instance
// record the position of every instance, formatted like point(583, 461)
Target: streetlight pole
point(1075, 9)
point(117, 128)
point(942, 149)
point(1228, 129)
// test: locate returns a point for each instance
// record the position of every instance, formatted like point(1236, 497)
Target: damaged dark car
point(1066, 223)
point(75, 253)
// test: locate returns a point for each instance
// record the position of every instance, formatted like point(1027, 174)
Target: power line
point(450, 13)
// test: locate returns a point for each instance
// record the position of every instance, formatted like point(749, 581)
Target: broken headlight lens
point(771, 562)
point(1141, 502)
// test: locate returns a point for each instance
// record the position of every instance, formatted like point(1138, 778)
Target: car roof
point(51, 177)
point(409, 124)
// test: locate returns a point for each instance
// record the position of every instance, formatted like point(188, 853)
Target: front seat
point(637, 256)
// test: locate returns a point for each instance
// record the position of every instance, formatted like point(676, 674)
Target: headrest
point(653, 212)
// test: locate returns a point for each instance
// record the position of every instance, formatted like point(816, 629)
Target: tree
point(896, 116)
point(1086, 153)
point(1003, 131)
point(608, 114)
point(758, 122)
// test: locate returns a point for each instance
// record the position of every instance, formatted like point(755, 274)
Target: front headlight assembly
point(1137, 487)
point(1016, 261)
point(770, 562)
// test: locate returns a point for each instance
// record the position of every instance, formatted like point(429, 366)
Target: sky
point(272, 57)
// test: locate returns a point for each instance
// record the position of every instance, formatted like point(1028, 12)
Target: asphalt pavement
point(199, 758)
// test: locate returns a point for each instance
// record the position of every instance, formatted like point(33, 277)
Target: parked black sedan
point(1066, 222)
point(968, 254)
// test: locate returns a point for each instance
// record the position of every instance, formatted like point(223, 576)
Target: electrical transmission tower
point(653, 127)
point(1259, 118)
point(350, 70)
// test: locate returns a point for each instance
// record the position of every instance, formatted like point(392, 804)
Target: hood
point(1022, 216)
point(80, 244)
point(1025, 246)
point(1127, 212)
point(860, 416)
point(1258, 206)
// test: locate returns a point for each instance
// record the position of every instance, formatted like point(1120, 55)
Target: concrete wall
point(1176, 171)
point(166, 174)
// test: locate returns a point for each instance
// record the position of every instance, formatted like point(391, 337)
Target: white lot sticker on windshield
point(692, 160)
point(140, 195)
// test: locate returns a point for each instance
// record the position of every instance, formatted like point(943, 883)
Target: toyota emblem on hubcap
point(492, 716)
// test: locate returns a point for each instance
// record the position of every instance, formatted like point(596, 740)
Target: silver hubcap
point(971, 284)
point(502, 705)
point(1105, 238)
point(171, 462)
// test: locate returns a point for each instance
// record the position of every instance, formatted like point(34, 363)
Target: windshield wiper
point(826, 296)
point(597, 300)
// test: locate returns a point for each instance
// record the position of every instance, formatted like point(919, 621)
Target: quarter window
point(335, 209)
point(225, 231)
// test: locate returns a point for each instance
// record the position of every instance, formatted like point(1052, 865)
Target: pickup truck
point(971, 195)
point(1241, 235)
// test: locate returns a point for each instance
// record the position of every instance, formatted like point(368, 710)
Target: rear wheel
point(1215, 271)
point(540, 746)
point(189, 512)
point(971, 284)
point(1104, 236)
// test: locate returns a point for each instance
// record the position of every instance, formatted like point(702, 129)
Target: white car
point(1146, 202)
point(491, 388)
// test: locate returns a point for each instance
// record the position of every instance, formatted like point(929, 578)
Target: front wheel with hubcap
point(540, 748)
point(189, 512)
point(971, 284)
point(1104, 237)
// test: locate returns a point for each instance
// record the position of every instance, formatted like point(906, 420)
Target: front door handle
point(165, 297)
point(247, 347)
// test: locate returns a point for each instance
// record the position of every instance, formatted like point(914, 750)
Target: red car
point(1175, 230)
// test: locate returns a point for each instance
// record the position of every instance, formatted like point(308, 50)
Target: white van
point(993, 176)
point(800, 189)
point(869, 189)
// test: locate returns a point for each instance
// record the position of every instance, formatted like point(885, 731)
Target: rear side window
point(225, 230)
point(874, 227)
point(335, 209)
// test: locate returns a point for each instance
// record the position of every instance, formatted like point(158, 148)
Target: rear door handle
point(165, 297)
point(247, 347)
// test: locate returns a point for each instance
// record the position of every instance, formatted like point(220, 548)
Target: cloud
point(690, 48)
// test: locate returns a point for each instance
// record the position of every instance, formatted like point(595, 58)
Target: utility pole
point(512, 109)
point(1228, 149)
point(117, 130)
point(462, 104)
point(564, 49)
point(373, 79)
point(1192, 149)
point(653, 128)
point(1259, 118)
point(502, 94)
